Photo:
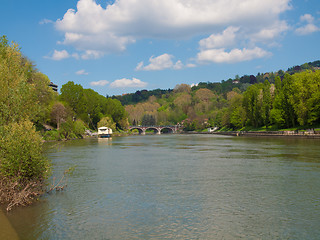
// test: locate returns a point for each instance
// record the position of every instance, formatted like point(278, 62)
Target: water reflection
point(105, 141)
point(181, 187)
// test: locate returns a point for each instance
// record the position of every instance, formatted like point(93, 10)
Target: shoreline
point(267, 134)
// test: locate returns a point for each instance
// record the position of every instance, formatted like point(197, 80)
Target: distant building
point(53, 86)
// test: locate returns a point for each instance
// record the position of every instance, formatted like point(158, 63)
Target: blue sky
point(117, 47)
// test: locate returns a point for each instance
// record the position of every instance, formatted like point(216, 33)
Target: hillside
point(287, 99)
point(242, 83)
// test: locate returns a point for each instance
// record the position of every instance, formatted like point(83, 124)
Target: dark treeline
point(141, 96)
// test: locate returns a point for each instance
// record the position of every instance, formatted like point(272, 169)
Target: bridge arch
point(139, 129)
point(166, 130)
point(155, 130)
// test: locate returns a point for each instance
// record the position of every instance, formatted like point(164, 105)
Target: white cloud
point(270, 32)
point(225, 39)
point(99, 83)
point(92, 54)
point(235, 55)
point(161, 62)
point(94, 28)
point(307, 18)
point(178, 65)
point(309, 27)
point(127, 83)
point(45, 21)
point(59, 55)
point(82, 72)
point(139, 66)
point(191, 65)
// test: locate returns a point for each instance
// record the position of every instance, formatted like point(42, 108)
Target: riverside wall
point(305, 134)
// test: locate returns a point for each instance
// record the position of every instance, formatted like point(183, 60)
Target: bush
point(66, 130)
point(79, 128)
point(51, 135)
point(21, 156)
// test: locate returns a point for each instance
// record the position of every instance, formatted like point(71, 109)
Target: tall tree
point(72, 94)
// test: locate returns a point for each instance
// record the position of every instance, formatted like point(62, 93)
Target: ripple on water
point(181, 187)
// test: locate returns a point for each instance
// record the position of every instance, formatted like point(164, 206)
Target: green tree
point(252, 102)
point(72, 94)
point(107, 122)
point(79, 128)
point(148, 120)
point(285, 101)
point(305, 98)
point(266, 103)
point(114, 108)
point(17, 97)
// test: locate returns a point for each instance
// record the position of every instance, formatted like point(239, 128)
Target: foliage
point(79, 128)
point(90, 106)
point(148, 120)
point(52, 135)
point(58, 113)
point(306, 97)
point(21, 152)
point(271, 100)
point(107, 122)
point(16, 96)
point(141, 96)
point(24, 97)
point(66, 131)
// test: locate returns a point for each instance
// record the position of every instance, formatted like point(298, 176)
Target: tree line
point(290, 101)
point(223, 87)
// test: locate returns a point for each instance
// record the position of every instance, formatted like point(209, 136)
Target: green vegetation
point(23, 97)
point(30, 112)
point(223, 87)
point(289, 101)
point(90, 107)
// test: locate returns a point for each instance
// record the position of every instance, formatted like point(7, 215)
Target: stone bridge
point(157, 129)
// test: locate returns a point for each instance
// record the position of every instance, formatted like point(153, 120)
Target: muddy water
point(6, 230)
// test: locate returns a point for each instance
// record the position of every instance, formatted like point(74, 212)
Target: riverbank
point(301, 134)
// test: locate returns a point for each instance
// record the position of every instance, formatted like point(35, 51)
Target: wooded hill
point(279, 100)
point(242, 83)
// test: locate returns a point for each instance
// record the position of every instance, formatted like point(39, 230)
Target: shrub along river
point(180, 187)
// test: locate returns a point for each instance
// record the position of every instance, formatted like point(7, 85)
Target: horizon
point(120, 47)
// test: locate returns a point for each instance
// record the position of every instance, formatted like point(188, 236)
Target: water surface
point(180, 187)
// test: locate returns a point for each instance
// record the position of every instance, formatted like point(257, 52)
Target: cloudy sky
point(121, 46)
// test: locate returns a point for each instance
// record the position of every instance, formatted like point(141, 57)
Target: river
point(180, 187)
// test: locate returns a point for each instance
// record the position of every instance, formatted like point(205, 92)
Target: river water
point(180, 187)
